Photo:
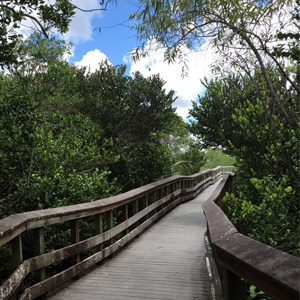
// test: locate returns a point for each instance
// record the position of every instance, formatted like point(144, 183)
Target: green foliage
point(254, 293)
point(290, 47)
point(177, 25)
point(178, 136)
point(189, 161)
point(18, 119)
point(38, 53)
point(50, 154)
point(69, 167)
point(137, 113)
point(44, 15)
point(255, 130)
point(216, 157)
point(67, 137)
point(271, 217)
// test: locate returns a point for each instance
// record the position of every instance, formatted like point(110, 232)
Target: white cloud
point(187, 88)
point(92, 59)
point(81, 28)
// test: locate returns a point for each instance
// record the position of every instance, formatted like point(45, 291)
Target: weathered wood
point(166, 262)
point(57, 280)
point(64, 276)
point(12, 227)
point(143, 216)
point(10, 286)
point(99, 227)
point(75, 238)
point(273, 271)
point(39, 248)
point(17, 252)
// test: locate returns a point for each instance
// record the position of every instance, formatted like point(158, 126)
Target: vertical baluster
point(125, 216)
point(99, 228)
point(233, 286)
point(135, 210)
point(144, 205)
point(109, 224)
point(39, 248)
point(75, 238)
point(158, 195)
point(17, 258)
point(17, 253)
point(154, 195)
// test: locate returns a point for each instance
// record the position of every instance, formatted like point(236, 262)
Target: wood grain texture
point(166, 262)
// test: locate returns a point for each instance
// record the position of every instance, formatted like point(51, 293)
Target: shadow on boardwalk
point(165, 262)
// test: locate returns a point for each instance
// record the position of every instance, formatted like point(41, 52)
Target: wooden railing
point(240, 259)
point(116, 221)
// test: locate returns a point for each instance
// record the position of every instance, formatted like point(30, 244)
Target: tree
point(135, 112)
point(18, 115)
point(266, 149)
point(249, 125)
point(240, 31)
point(69, 164)
point(185, 151)
point(178, 138)
point(40, 15)
point(43, 16)
point(216, 157)
point(50, 154)
point(189, 161)
point(251, 107)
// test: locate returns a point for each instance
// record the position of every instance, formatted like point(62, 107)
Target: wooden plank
point(166, 262)
point(11, 227)
point(271, 270)
point(14, 225)
point(39, 248)
point(14, 281)
point(58, 279)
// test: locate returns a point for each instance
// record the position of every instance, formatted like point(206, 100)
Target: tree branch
point(42, 28)
point(93, 9)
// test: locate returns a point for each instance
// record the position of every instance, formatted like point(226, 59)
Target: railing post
point(17, 253)
point(99, 228)
point(125, 216)
point(75, 238)
point(110, 224)
point(155, 198)
point(39, 248)
point(232, 286)
point(17, 258)
point(135, 210)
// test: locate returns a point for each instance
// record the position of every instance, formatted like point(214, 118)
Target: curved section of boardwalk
point(165, 262)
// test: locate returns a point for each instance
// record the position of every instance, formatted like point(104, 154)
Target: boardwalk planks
point(166, 262)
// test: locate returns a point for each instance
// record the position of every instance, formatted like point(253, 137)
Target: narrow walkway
point(165, 262)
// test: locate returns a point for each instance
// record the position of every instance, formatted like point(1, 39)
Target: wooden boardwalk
point(165, 262)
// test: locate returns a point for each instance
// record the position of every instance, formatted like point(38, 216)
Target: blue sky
point(116, 39)
point(111, 34)
point(106, 35)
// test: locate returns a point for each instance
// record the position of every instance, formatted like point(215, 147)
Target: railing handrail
point(273, 271)
point(16, 224)
point(167, 194)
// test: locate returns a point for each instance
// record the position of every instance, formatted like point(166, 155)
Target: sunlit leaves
point(189, 161)
point(70, 165)
point(135, 112)
point(43, 15)
point(270, 219)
